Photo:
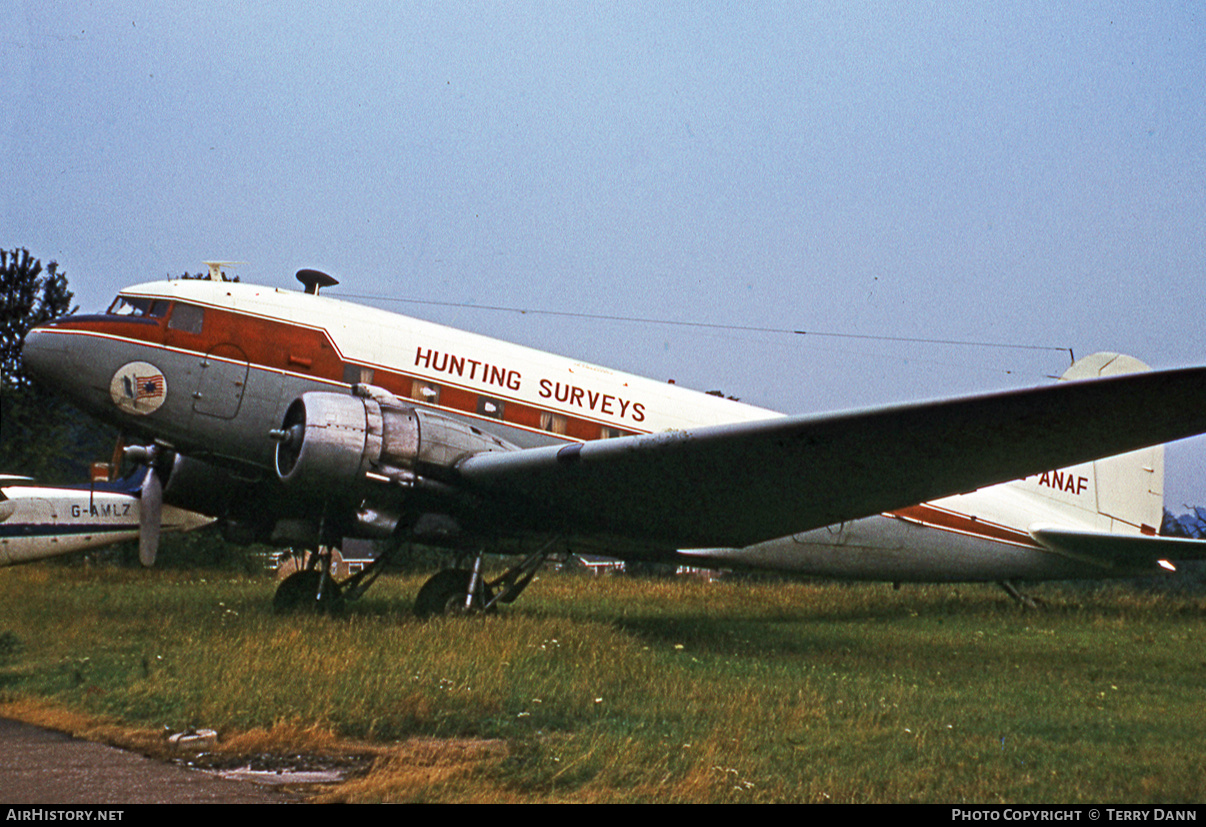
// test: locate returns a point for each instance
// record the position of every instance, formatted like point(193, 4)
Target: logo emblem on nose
point(138, 388)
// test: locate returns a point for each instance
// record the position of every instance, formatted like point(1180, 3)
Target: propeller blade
point(150, 510)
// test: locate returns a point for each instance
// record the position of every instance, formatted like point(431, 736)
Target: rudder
point(1127, 489)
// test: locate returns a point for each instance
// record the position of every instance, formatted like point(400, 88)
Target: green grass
point(613, 689)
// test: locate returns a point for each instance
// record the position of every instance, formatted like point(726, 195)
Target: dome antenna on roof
point(215, 268)
point(315, 280)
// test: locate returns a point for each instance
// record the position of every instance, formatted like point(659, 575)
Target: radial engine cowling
point(332, 444)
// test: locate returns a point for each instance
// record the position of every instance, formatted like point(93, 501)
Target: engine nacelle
point(334, 444)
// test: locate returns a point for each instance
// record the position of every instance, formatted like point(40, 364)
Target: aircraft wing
point(735, 485)
point(1126, 551)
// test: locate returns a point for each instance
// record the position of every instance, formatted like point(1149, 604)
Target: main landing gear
point(452, 592)
point(463, 591)
point(308, 590)
point(455, 591)
point(312, 588)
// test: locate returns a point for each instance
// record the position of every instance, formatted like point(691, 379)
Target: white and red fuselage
point(212, 367)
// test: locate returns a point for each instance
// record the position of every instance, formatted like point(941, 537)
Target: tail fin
point(1120, 494)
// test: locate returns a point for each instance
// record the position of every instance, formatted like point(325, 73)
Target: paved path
point(40, 766)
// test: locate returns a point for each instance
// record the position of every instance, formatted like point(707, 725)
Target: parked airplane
point(299, 419)
point(40, 521)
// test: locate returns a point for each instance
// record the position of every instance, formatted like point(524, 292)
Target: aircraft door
point(222, 380)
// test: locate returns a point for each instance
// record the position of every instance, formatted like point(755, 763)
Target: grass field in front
point(614, 689)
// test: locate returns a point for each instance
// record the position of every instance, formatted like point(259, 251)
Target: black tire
point(299, 593)
point(444, 594)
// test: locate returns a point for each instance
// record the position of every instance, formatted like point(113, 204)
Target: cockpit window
point(134, 306)
point(123, 306)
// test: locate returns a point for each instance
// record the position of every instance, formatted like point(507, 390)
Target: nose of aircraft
point(45, 355)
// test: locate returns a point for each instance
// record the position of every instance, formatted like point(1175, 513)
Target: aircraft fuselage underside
point(887, 547)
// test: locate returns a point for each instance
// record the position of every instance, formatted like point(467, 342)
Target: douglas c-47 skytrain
point(297, 419)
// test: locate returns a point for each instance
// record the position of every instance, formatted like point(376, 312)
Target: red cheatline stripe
point(941, 518)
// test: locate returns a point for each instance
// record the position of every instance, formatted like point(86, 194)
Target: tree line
point(40, 434)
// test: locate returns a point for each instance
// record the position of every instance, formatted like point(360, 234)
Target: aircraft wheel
point(444, 594)
point(299, 593)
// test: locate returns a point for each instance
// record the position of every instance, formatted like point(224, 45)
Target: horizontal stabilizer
point(1122, 551)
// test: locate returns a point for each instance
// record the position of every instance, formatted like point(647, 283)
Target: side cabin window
point(137, 307)
point(357, 375)
point(488, 406)
point(425, 392)
point(187, 318)
point(555, 423)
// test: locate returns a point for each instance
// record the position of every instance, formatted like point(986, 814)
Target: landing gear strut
point(448, 593)
point(313, 589)
point(466, 591)
point(457, 591)
point(1023, 599)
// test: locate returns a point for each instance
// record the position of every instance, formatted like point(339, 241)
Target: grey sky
point(1028, 174)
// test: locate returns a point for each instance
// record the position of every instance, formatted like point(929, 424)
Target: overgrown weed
point(614, 689)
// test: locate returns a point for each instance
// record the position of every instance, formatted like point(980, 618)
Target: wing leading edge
point(734, 485)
